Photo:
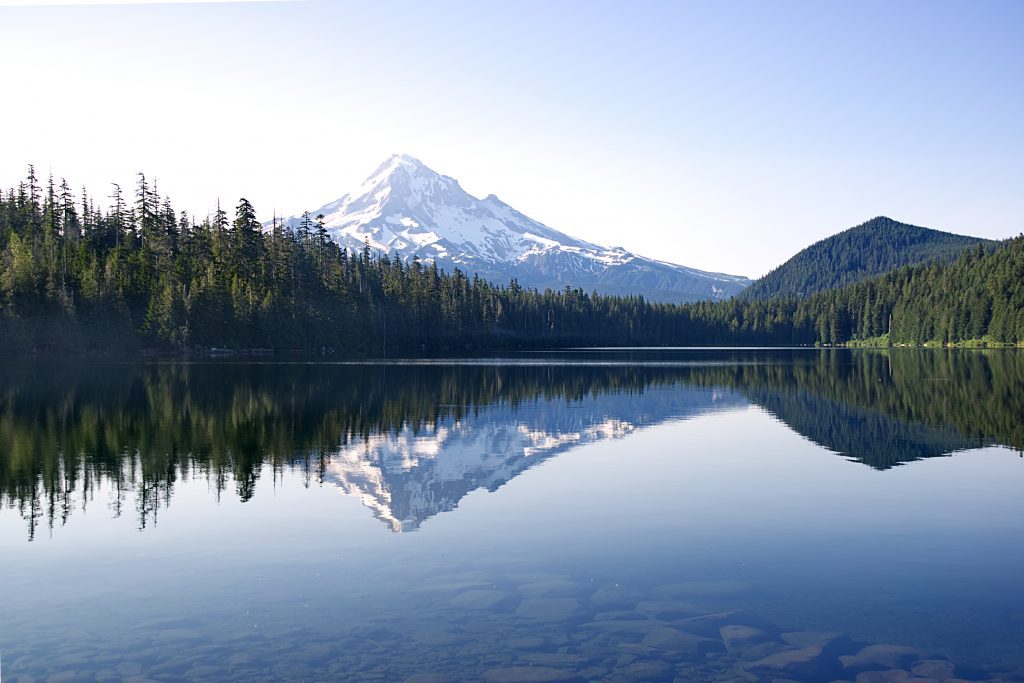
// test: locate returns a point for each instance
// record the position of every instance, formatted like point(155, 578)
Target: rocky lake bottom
point(521, 628)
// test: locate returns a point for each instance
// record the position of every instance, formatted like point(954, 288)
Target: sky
point(720, 135)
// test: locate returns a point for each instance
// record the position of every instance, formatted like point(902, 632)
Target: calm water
point(700, 515)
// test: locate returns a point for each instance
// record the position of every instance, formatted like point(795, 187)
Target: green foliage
point(133, 430)
point(872, 248)
point(883, 408)
point(145, 278)
point(979, 296)
point(76, 279)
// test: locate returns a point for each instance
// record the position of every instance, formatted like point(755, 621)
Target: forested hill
point(74, 279)
point(979, 297)
point(872, 248)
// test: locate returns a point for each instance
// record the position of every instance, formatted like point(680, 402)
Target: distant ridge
point(872, 248)
point(406, 208)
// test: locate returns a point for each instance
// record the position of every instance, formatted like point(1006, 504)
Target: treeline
point(886, 407)
point(139, 275)
point(68, 429)
point(980, 296)
point(131, 432)
point(873, 248)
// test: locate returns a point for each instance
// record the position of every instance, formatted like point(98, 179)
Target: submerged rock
point(129, 669)
point(592, 673)
point(438, 638)
point(816, 656)
point(621, 615)
point(555, 659)
point(710, 624)
point(479, 599)
point(881, 657)
point(807, 638)
point(548, 609)
point(669, 610)
point(526, 643)
point(551, 588)
point(645, 670)
point(68, 676)
point(614, 596)
point(673, 640)
point(205, 671)
point(527, 674)
point(634, 626)
point(691, 588)
point(934, 668)
point(888, 676)
point(738, 638)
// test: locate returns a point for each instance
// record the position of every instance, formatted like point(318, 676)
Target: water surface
point(627, 515)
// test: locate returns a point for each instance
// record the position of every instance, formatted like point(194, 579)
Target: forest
point(130, 431)
point(140, 276)
point(875, 247)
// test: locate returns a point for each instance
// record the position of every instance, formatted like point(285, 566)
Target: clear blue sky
point(721, 135)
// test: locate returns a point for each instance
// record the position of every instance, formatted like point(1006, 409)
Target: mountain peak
point(879, 221)
point(408, 208)
point(877, 246)
point(406, 160)
point(396, 162)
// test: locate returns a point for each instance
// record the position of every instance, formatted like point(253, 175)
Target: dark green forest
point(75, 278)
point(136, 429)
point(887, 407)
point(67, 428)
point(872, 248)
point(979, 297)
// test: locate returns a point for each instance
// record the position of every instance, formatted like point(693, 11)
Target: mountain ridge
point(875, 247)
point(406, 208)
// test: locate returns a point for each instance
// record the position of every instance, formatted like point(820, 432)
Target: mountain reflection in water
point(412, 440)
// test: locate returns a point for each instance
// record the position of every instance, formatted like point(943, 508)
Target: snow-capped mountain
point(409, 475)
point(407, 208)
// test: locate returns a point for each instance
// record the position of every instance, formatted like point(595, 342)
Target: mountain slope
point(406, 208)
point(872, 248)
point(409, 475)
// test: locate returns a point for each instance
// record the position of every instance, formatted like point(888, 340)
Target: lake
point(626, 515)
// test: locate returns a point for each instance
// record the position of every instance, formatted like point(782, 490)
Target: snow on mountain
point(406, 208)
point(408, 475)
